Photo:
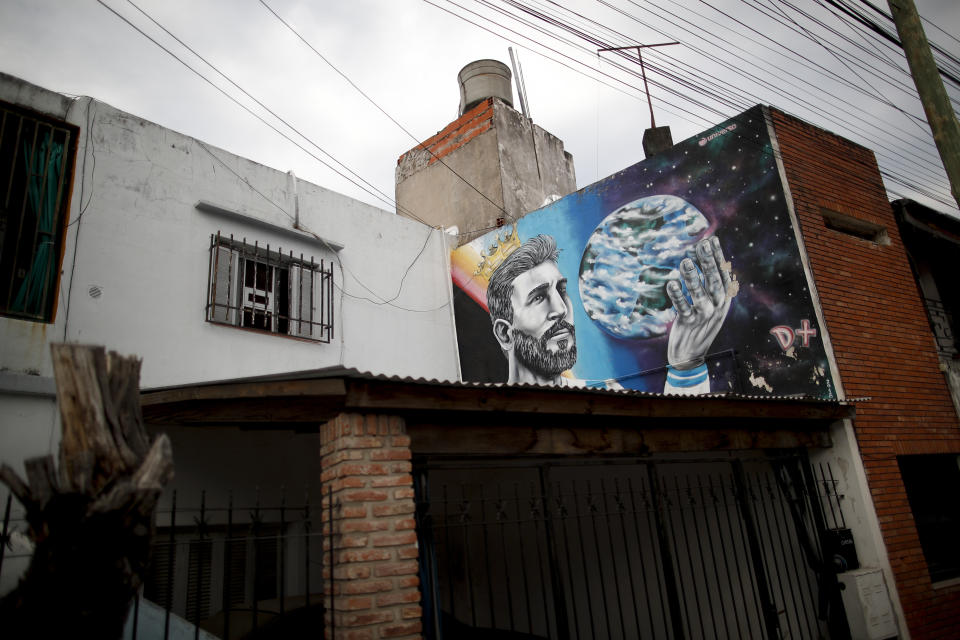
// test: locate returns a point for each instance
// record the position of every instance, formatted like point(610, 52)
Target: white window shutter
point(223, 288)
point(302, 283)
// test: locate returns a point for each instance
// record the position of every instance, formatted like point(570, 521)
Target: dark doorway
point(684, 548)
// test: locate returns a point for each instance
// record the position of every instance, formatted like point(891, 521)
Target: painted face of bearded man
point(532, 314)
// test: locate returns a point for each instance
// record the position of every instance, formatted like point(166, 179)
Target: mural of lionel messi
point(532, 314)
point(628, 282)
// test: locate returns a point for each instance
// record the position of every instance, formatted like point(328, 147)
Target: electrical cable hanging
point(889, 153)
point(392, 119)
point(382, 196)
point(344, 268)
point(872, 139)
point(336, 254)
point(777, 74)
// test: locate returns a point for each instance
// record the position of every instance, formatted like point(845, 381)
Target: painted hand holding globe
point(700, 318)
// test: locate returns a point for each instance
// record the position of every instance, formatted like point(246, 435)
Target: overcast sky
point(405, 55)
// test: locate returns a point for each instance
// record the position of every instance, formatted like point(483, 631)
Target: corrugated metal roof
point(357, 374)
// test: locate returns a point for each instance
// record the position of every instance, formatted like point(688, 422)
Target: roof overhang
point(306, 403)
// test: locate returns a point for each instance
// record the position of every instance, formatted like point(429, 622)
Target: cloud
point(406, 54)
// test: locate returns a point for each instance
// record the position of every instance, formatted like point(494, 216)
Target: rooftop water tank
point(484, 79)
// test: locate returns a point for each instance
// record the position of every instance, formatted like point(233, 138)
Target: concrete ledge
point(22, 384)
point(210, 207)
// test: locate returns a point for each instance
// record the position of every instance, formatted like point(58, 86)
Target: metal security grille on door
point(259, 288)
point(707, 549)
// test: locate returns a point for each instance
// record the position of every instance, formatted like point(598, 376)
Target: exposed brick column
point(367, 471)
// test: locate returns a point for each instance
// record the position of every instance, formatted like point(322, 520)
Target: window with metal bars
point(36, 163)
point(256, 287)
point(199, 579)
point(196, 575)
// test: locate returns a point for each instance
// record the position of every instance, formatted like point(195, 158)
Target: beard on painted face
point(535, 356)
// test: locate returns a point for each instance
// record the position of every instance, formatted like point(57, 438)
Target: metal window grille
point(941, 321)
point(198, 578)
point(256, 287)
point(232, 568)
point(36, 162)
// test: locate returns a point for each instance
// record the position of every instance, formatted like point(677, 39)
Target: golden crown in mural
point(497, 253)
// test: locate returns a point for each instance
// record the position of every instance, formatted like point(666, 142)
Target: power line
point(386, 198)
point(382, 196)
point(234, 100)
point(873, 26)
point(754, 78)
point(281, 119)
point(700, 89)
point(567, 65)
point(343, 267)
point(813, 89)
point(874, 139)
point(838, 53)
point(383, 111)
point(843, 60)
point(687, 85)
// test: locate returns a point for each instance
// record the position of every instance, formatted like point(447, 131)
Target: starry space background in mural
point(724, 182)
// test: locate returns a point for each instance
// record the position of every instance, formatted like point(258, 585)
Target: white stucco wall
point(144, 245)
point(29, 427)
point(136, 236)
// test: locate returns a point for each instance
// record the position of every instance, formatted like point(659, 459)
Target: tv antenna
point(521, 85)
point(638, 47)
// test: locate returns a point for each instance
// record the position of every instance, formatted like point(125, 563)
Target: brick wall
point(456, 134)
point(883, 345)
point(366, 470)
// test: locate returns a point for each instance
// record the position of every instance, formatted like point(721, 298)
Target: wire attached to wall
point(381, 300)
point(343, 267)
point(89, 117)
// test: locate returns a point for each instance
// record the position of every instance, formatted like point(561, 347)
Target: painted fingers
point(708, 293)
point(680, 303)
point(710, 257)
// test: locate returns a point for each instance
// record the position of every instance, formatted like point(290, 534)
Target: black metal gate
point(688, 548)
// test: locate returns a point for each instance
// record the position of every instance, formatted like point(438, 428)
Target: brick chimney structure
point(486, 168)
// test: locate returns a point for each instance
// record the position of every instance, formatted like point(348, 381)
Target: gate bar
point(771, 623)
point(583, 560)
point(559, 600)
point(829, 582)
point(669, 571)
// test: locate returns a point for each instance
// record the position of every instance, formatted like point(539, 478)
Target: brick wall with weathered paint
point(453, 136)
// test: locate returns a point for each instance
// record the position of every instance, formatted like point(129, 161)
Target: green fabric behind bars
point(44, 171)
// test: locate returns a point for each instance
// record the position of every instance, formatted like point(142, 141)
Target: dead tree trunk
point(91, 519)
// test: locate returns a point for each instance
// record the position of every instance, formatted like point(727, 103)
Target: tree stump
point(91, 519)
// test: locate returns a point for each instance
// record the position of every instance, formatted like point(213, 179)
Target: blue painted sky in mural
point(730, 187)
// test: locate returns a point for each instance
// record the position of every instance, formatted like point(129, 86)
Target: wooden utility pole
point(936, 104)
point(91, 519)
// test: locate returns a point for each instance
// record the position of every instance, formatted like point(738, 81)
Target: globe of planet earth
point(628, 260)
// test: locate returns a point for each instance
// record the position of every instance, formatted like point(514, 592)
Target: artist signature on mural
point(788, 337)
point(703, 141)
